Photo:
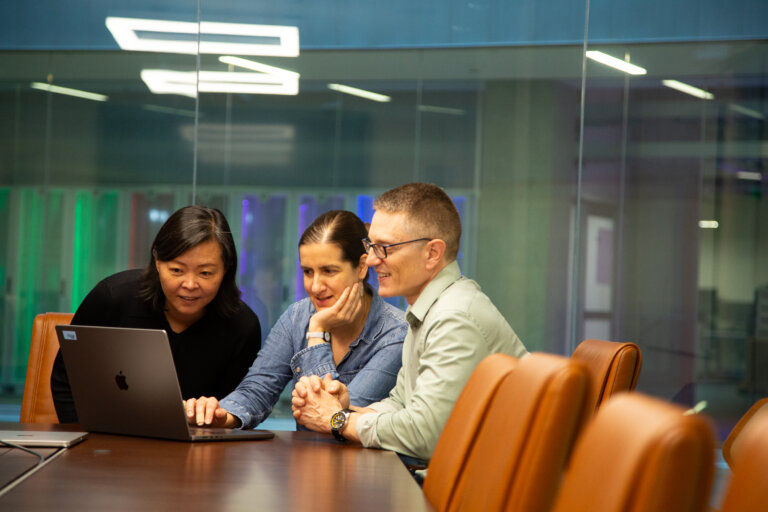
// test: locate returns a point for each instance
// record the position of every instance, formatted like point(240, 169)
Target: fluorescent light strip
point(615, 63)
point(165, 81)
point(708, 224)
point(125, 31)
point(258, 66)
point(69, 92)
point(441, 110)
point(688, 89)
point(354, 91)
point(752, 176)
point(747, 111)
point(170, 110)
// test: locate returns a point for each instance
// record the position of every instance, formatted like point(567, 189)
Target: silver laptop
point(41, 437)
point(124, 382)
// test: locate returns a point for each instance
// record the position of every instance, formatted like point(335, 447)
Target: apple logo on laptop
point(120, 380)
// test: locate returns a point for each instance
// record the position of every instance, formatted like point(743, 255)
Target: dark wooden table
point(293, 471)
point(14, 463)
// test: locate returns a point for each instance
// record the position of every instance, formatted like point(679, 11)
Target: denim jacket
point(369, 369)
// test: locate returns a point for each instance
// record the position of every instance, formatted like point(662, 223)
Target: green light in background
point(82, 237)
point(29, 258)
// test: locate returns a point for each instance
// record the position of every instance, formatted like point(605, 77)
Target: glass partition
point(595, 203)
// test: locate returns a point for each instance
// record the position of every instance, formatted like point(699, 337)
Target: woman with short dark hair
point(188, 289)
point(343, 328)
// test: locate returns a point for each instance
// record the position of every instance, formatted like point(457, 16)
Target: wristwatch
point(325, 335)
point(338, 422)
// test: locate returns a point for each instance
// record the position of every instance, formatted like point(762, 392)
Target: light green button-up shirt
point(452, 326)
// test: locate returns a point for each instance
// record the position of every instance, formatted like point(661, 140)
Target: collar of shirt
point(416, 312)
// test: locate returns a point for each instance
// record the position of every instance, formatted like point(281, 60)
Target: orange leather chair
point(460, 431)
point(613, 367)
point(517, 459)
point(733, 445)
point(640, 454)
point(37, 404)
point(747, 490)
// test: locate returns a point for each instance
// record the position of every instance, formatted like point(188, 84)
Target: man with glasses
point(412, 244)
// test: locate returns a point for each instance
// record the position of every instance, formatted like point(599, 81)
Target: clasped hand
point(315, 400)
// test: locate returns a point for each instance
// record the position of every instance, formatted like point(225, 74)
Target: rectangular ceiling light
point(69, 92)
point(150, 35)
point(362, 93)
point(708, 224)
point(688, 89)
point(186, 83)
point(751, 176)
point(621, 65)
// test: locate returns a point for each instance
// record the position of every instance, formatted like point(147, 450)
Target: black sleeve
point(92, 311)
point(247, 346)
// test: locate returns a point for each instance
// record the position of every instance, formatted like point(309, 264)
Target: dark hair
point(339, 227)
point(185, 229)
point(429, 211)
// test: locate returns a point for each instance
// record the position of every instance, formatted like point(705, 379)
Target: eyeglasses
point(380, 250)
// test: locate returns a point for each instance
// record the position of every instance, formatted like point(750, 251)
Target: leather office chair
point(460, 431)
point(733, 445)
point(613, 367)
point(640, 454)
point(37, 403)
point(517, 459)
point(747, 490)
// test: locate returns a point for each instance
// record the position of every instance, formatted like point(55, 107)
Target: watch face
point(338, 419)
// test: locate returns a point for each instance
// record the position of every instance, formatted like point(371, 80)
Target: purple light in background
point(303, 211)
point(243, 236)
point(365, 208)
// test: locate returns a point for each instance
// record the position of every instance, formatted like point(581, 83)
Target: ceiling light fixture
point(155, 37)
point(621, 65)
point(261, 68)
point(169, 110)
point(709, 224)
point(69, 92)
point(747, 111)
point(688, 89)
point(751, 176)
point(441, 110)
point(166, 81)
point(362, 93)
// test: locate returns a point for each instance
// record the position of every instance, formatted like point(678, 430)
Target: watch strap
point(324, 335)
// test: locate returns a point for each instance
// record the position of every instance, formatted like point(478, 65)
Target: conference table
point(292, 471)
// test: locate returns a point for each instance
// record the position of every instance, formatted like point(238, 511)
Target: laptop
point(42, 438)
point(123, 381)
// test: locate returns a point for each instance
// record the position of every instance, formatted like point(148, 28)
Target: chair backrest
point(613, 367)
point(732, 447)
point(37, 404)
point(460, 431)
point(640, 454)
point(747, 490)
point(518, 457)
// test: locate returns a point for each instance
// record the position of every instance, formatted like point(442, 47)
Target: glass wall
point(595, 203)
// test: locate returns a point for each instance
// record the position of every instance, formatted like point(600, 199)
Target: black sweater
point(211, 356)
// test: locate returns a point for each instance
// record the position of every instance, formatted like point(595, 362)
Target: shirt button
point(298, 370)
